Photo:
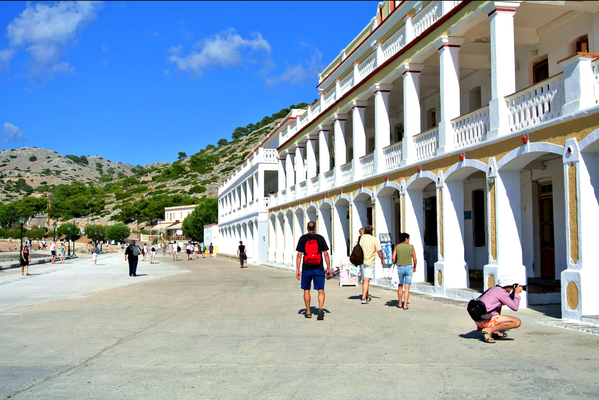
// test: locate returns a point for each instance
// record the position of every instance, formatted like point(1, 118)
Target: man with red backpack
point(312, 247)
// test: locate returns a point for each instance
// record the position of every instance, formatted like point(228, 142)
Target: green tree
point(182, 155)
point(72, 234)
point(204, 214)
point(118, 232)
point(92, 231)
point(222, 142)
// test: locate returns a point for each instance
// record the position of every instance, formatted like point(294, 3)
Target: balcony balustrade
point(427, 143)
point(346, 173)
point(427, 16)
point(394, 44)
point(367, 66)
point(471, 128)
point(347, 83)
point(537, 103)
point(367, 165)
point(392, 156)
point(329, 178)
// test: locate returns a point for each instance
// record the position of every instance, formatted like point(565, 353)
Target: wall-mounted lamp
point(490, 181)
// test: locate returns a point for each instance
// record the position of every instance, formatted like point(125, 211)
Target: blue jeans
point(132, 265)
point(404, 272)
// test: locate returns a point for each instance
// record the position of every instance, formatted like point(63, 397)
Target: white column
point(359, 135)
point(449, 48)
point(258, 194)
point(323, 149)
point(300, 172)
point(382, 128)
point(356, 72)
point(281, 173)
point(578, 92)
point(411, 107)
point(340, 147)
point(377, 45)
point(408, 28)
point(289, 169)
point(503, 63)
point(311, 155)
point(244, 193)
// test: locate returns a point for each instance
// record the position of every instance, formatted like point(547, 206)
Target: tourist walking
point(25, 260)
point(203, 250)
point(241, 253)
point(62, 252)
point(493, 299)
point(132, 253)
point(188, 251)
point(197, 250)
point(370, 248)
point(211, 250)
point(176, 250)
point(153, 254)
point(404, 256)
point(144, 251)
point(95, 252)
point(312, 248)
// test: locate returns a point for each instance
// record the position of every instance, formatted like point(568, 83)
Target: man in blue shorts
point(312, 247)
point(404, 256)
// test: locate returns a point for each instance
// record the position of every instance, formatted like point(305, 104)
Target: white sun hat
point(505, 280)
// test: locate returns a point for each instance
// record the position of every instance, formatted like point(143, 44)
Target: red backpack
point(312, 255)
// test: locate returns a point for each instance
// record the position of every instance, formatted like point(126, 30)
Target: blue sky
point(137, 82)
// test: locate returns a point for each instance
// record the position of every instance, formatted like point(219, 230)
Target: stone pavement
point(208, 329)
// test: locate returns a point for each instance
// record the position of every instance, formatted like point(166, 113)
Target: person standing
point(370, 247)
point(211, 250)
point(95, 252)
point(25, 260)
point(312, 247)
point(404, 256)
point(176, 250)
point(203, 250)
point(144, 251)
point(62, 252)
point(153, 254)
point(241, 252)
point(132, 253)
point(197, 250)
point(53, 251)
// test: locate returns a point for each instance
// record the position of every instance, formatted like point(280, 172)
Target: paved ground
point(207, 329)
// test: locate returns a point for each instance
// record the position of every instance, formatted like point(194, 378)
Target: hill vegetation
point(91, 189)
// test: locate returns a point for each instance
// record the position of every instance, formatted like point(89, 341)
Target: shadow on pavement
point(313, 310)
point(550, 310)
point(472, 335)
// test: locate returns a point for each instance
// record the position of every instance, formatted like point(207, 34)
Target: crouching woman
point(493, 300)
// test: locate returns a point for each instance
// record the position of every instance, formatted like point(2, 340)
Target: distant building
point(173, 219)
point(211, 235)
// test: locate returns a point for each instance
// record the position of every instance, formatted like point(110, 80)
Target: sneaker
point(369, 298)
point(364, 301)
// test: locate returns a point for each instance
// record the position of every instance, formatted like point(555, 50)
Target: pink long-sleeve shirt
point(496, 297)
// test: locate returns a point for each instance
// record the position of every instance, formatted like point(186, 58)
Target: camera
point(513, 293)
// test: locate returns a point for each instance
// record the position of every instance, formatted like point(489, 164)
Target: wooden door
point(546, 236)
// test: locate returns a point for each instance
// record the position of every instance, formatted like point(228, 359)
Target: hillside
point(95, 189)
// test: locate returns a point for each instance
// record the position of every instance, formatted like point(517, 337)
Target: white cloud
point(302, 71)
point(104, 49)
point(47, 30)
point(12, 133)
point(225, 49)
point(6, 56)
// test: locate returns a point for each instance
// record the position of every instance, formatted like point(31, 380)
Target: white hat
point(505, 280)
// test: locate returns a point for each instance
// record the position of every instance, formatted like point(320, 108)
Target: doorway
point(546, 230)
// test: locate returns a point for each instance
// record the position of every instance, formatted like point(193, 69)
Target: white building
point(211, 235)
point(173, 219)
point(473, 126)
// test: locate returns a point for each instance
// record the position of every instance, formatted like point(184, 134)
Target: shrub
point(33, 158)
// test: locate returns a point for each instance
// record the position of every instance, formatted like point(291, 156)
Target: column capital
point(411, 67)
point(291, 149)
point(324, 128)
point(338, 117)
point(500, 6)
point(449, 41)
point(312, 137)
point(359, 104)
point(379, 87)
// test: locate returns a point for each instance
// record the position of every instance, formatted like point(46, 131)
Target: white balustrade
point(537, 103)
point(427, 143)
point(329, 98)
point(471, 128)
point(265, 203)
point(301, 190)
point(394, 44)
point(314, 183)
point(367, 66)
point(329, 179)
point(291, 194)
point(346, 173)
point(347, 83)
point(392, 156)
point(426, 17)
point(367, 165)
point(270, 155)
point(302, 120)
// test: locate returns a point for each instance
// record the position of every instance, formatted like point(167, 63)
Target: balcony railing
point(367, 66)
point(394, 44)
point(367, 165)
point(314, 182)
point(329, 98)
point(471, 128)
point(266, 202)
point(346, 172)
point(392, 156)
point(426, 17)
point(329, 178)
point(537, 103)
point(346, 84)
point(427, 143)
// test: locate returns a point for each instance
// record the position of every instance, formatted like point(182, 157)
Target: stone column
point(300, 172)
point(289, 168)
point(411, 113)
point(503, 63)
point(281, 173)
point(340, 147)
point(382, 128)
point(359, 135)
point(449, 48)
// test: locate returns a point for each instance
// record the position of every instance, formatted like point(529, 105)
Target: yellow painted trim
point(403, 213)
point(440, 222)
point(493, 222)
point(573, 208)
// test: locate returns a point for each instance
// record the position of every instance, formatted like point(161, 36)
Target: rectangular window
point(582, 45)
point(540, 71)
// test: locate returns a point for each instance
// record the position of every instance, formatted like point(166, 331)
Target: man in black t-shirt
point(312, 247)
point(132, 253)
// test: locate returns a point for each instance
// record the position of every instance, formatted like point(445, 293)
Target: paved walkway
point(208, 329)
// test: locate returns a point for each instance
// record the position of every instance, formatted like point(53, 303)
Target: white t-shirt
point(53, 247)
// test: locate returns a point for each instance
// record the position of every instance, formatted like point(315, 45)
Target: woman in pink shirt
point(494, 299)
